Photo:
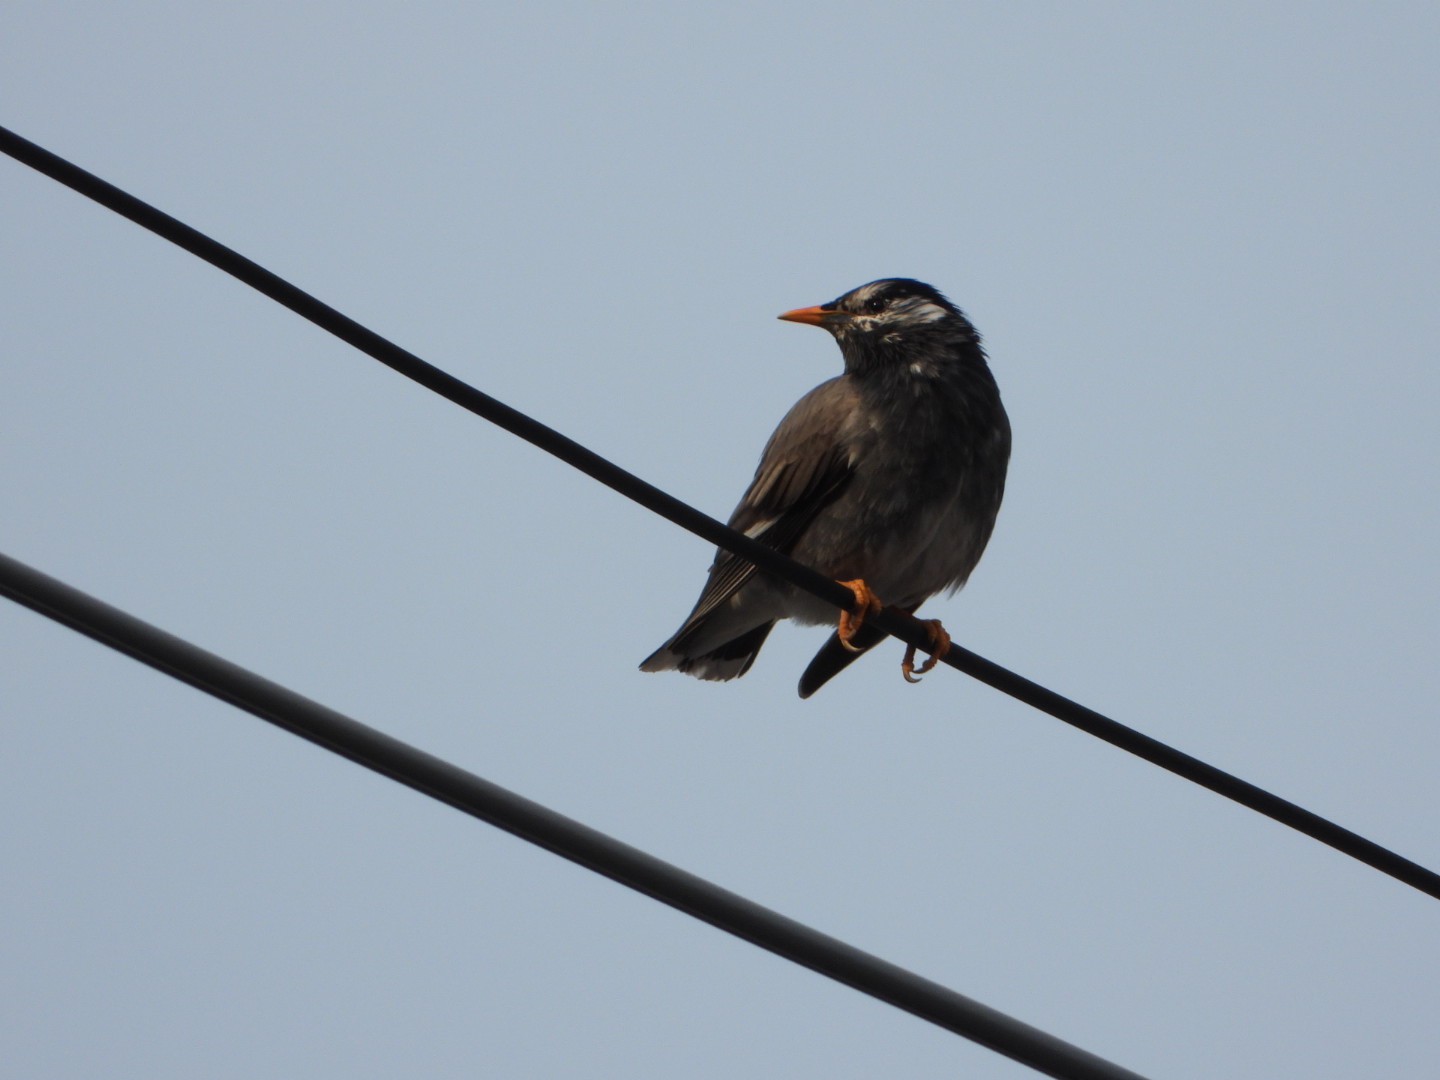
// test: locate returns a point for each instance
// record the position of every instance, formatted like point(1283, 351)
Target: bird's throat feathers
point(918, 354)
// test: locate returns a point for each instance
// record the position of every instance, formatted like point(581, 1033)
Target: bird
point(887, 478)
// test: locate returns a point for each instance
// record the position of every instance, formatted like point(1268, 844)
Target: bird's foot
point(939, 646)
point(866, 603)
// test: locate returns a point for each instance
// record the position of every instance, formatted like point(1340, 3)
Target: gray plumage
point(892, 473)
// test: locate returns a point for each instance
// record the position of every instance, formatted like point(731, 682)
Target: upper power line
point(907, 628)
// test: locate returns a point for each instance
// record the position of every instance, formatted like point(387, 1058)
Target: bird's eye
point(874, 305)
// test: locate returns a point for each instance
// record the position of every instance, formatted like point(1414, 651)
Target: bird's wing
point(805, 466)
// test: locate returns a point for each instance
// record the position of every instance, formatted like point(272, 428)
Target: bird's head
point(894, 322)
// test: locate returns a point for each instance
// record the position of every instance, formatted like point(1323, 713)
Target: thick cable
point(556, 833)
point(905, 627)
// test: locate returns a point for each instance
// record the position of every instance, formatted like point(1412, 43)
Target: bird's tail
point(834, 657)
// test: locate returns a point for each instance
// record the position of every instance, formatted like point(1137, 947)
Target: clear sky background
point(1201, 241)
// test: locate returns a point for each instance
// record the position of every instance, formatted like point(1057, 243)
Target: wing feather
point(804, 467)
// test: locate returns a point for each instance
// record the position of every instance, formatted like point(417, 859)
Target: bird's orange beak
point(812, 315)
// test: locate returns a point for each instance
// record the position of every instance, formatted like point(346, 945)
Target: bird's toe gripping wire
point(866, 603)
point(939, 646)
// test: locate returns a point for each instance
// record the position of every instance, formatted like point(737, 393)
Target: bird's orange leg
point(866, 603)
point(939, 646)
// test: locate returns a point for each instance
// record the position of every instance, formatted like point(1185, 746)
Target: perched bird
point(887, 478)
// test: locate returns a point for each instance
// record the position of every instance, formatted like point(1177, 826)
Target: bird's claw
point(939, 646)
point(866, 603)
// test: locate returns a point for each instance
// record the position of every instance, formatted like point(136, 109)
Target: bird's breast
point(920, 508)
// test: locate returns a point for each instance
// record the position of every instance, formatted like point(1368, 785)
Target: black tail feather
point(834, 657)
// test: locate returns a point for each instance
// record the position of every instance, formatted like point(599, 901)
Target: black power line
point(564, 836)
point(908, 629)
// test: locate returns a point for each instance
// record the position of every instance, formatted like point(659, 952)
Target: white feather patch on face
point(865, 293)
point(921, 312)
point(898, 315)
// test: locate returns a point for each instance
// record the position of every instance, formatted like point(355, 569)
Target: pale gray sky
point(1201, 241)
